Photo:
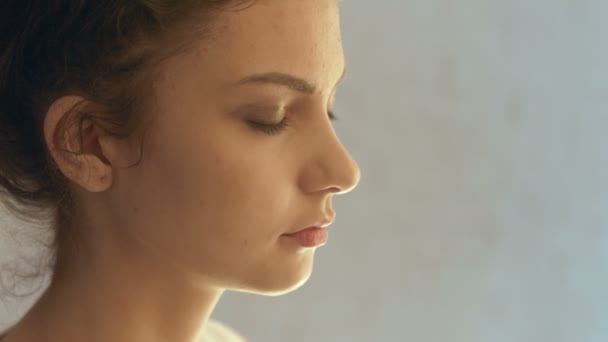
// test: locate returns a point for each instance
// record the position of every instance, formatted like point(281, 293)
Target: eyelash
point(278, 128)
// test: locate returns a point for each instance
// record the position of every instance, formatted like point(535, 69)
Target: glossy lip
point(323, 223)
point(310, 237)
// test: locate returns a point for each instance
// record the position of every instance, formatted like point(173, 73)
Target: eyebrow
point(285, 80)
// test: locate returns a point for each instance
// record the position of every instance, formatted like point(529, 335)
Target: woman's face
point(214, 192)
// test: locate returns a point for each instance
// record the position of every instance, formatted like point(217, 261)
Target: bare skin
point(206, 209)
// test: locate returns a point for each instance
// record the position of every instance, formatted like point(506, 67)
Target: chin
point(277, 280)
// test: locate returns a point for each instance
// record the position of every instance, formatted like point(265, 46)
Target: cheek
point(219, 189)
point(252, 199)
point(246, 189)
point(234, 215)
point(223, 184)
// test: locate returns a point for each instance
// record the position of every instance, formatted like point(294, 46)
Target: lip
point(310, 237)
point(323, 223)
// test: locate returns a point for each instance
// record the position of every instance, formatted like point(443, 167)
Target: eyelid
point(277, 128)
point(330, 113)
point(259, 110)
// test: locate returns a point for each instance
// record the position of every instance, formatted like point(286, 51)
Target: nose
point(331, 167)
point(343, 171)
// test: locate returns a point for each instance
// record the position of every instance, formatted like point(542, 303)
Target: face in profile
point(241, 150)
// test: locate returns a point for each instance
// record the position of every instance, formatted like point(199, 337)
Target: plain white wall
point(482, 210)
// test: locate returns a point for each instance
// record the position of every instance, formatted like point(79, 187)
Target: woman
point(180, 144)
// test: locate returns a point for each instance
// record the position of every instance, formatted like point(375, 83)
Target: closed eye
point(273, 129)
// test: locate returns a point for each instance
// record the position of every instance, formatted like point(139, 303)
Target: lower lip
point(310, 237)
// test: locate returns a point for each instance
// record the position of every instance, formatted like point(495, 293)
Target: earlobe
point(83, 161)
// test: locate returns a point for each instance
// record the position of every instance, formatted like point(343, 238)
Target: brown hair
point(101, 50)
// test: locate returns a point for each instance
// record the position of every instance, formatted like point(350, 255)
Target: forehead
point(291, 36)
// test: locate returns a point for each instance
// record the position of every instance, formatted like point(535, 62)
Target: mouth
point(323, 223)
point(310, 237)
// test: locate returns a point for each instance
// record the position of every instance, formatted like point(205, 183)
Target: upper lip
point(323, 223)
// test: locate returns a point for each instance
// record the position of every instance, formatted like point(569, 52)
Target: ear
point(88, 165)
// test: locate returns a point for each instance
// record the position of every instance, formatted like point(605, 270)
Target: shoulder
point(221, 332)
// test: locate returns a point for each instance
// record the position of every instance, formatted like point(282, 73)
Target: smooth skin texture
point(206, 209)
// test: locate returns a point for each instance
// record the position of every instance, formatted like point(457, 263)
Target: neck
point(122, 296)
